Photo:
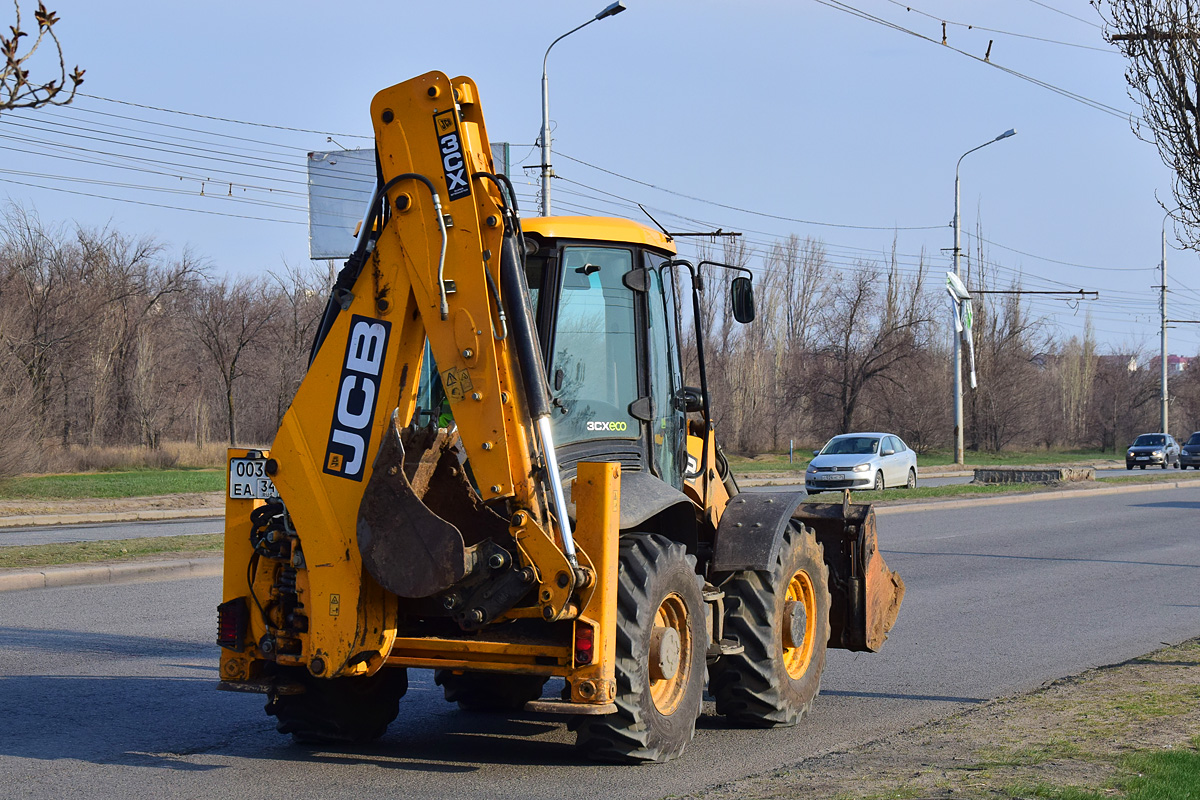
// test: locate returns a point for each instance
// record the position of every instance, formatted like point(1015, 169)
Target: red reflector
point(585, 637)
point(233, 617)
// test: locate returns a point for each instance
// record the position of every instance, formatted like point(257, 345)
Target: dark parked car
point(1189, 456)
point(1152, 450)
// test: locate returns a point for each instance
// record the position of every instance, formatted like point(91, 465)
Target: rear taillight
point(232, 619)
point(585, 640)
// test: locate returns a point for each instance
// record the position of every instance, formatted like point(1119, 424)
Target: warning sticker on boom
point(453, 162)
point(457, 382)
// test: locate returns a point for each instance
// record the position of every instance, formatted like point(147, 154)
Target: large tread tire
point(339, 709)
point(655, 719)
point(483, 691)
point(770, 684)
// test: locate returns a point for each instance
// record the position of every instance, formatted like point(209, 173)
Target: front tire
point(339, 709)
point(781, 618)
point(661, 645)
point(879, 487)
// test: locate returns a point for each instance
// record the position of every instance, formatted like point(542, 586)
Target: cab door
point(668, 427)
point(594, 347)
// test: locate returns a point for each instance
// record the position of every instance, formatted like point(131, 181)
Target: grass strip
point(924, 492)
point(1121, 731)
point(136, 483)
point(47, 555)
point(972, 489)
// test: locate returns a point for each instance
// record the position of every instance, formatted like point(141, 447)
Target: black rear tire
point(912, 479)
point(772, 684)
point(483, 691)
point(339, 709)
point(657, 590)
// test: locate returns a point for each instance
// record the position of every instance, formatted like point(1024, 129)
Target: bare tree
point(226, 318)
point(301, 293)
point(1123, 401)
point(1161, 40)
point(16, 88)
point(870, 330)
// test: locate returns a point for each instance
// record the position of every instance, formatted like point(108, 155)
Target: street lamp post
point(958, 406)
point(1163, 395)
point(547, 172)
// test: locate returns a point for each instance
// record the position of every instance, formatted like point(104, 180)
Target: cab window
point(593, 369)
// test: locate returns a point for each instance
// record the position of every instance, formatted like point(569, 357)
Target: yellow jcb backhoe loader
point(553, 503)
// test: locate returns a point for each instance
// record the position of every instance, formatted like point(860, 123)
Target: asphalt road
point(56, 534)
point(109, 690)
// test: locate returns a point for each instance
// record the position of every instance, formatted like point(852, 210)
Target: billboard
point(340, 183)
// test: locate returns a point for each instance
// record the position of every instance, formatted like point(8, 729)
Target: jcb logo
point(358, 389)
point(453, 162)
point(607, 426)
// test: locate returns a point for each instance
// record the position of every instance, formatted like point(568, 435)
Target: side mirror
point(816, 452)
point(689, 400)
point(743, 299)
point(888, 452)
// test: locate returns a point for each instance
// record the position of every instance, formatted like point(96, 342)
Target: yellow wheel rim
point(667, 691)
point(797, 657)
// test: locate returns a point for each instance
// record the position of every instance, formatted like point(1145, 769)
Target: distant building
point(1130, 362)
point(1175, 364)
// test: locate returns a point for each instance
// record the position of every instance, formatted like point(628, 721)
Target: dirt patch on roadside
point(1072, 733)
point(213, 500)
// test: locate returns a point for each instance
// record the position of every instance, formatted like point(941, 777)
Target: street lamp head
point(611, 10)
point(1006, 134)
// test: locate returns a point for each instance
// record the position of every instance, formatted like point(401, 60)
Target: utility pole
point(1163, 395)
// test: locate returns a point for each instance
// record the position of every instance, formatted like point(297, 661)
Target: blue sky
point(794, 112)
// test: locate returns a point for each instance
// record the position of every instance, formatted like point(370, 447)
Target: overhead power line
point(1097, 105)
point(222, 119)
point(971, 26)
point(1048, 7)
point(739, 209)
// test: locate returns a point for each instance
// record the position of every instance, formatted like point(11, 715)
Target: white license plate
point(248, 479)
point(833, 476)
point(1143, 458)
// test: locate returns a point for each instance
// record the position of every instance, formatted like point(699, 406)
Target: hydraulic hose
point(533, 368)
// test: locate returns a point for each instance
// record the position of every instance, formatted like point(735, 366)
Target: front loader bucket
point(866, 595)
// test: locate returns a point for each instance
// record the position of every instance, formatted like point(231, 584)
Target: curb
point(93, 574)
point(1030, 497)
point(799, 479)
point(35, 520)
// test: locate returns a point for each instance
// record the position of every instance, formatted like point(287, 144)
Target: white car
point(861, 461)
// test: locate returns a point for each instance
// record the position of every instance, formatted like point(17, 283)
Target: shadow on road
point(99, 644)
point(167, 722)
point(1043, 558)
point(935, 698)
point(1168, 504)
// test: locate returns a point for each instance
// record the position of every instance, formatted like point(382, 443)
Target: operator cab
point(607, 321)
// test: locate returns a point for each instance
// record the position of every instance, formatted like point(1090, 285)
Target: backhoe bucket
point(866, 595)
point(420, 515)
